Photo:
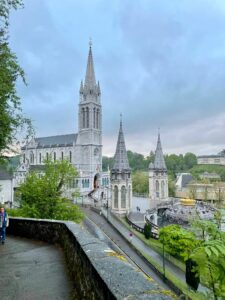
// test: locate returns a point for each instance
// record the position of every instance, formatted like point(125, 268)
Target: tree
point(42, 196)
point(190, 160)
point(178, 241)
point(210, 259)
point(140, 182)
point(147, 231)
point(191, 274)
point(12, 119)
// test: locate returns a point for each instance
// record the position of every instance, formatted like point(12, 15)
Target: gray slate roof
point(159, 162)
point(58, 140)
point(120, 158)
point(5, 175)
point(186, 178)
point(55, 141)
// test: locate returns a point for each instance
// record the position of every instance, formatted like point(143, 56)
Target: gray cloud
point(160, 63)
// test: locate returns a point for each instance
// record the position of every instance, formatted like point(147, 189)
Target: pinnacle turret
point(159, 162)
point(120, 159)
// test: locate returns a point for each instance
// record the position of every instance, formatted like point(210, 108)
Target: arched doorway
point(96, 180)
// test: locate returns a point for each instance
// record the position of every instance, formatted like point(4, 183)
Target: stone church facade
point(83, 149)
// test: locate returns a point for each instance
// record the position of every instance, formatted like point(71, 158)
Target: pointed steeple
point(120, 159)
point(90, 81)
point(159, 162)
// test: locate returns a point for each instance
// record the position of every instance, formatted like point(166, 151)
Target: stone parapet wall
point(96, 271)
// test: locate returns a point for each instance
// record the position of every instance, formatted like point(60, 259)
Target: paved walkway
point(32, 270)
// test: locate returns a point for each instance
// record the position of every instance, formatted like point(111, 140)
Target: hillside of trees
point(138, 162)
point(175, 164)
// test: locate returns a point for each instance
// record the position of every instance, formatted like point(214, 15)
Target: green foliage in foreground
point(205, 245)
point(42, 197)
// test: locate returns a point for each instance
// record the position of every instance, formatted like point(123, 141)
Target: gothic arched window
point(31, 157)
point(87, 117)
point(163, 189)
point(83, 118)
point(157, 188)
point(97, 118)
point(116, 195)
point(94, 117)
point(123, 197)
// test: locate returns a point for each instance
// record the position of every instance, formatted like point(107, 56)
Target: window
point(54, 156)
point(116, 193)
point(97, 118)
point(123, 197)
point(39, 158)
point(157, 188)
point(87, 116)
point(83, 118)
point(47, 156)
point(31, 157)
point(70, 157)
point(62, 155)
point(24, 158)
point(163, 189)
point(94, 115)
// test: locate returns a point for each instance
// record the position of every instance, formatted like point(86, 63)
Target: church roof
point(159, 162)
point(57, 140)
point(120, 159)
point(54, 141)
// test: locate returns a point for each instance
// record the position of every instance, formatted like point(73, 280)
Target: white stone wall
point(162, 193)
point(6, 191)
point(217, 160)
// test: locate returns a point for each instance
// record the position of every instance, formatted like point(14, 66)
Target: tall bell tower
point(89, 139)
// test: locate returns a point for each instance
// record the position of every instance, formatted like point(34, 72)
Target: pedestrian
point(131, 236)
point(3, 224)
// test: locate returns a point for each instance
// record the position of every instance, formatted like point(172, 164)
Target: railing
point(154, 234)
point(135, 226)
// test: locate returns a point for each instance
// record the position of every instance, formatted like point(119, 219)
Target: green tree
point(42, 196)
point(210, 259)
point(140, 182)
point(147, 231)
point(178, 241)
point(190, 160)
point(12, 118)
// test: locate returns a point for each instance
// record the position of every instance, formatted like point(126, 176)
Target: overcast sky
point(161, 63)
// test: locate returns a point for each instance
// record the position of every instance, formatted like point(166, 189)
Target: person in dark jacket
point(3, 224)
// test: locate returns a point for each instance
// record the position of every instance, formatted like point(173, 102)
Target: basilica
point(84, 151)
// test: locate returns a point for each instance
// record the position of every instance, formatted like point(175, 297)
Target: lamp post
point(164, 270)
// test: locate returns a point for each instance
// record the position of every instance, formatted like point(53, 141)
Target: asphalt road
point(115, 240)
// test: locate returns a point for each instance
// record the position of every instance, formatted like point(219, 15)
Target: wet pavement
point(32, 270)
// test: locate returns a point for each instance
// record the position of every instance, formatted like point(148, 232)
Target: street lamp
point(164, 271)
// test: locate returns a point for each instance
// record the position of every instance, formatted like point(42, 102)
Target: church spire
point(120, 158)
point(159, 162)
point(90, 81)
